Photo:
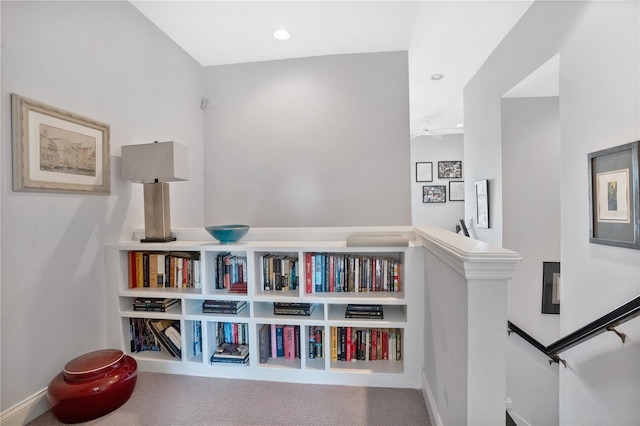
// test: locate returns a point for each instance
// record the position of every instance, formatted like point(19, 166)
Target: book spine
point(289, 342)
point(385, 344)
point(131, 260)
point(297, 340)
point(374, 345)
point(145, 268)
point(317, 272)
point(274, 341)
point(319, 339)
point(325, 272)
point(197, 338)
point(264, 342)
point(266, 272)
point(312, 342)
point(153, 270)
point(152, 308)
point(367, 354)
point(308, 271)
point(139, 270)
point(334, 343)
point(279, 341)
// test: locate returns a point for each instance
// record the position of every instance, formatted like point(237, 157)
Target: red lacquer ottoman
point(92, 385)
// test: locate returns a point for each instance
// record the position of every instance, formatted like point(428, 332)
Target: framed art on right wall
point(613, 196)
point(482, 203)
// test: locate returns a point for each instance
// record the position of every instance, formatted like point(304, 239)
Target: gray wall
point(103, 60)
point(531, 200)
point(432, 149)
point(531, 167)
point(317, 141)
point(599, 47)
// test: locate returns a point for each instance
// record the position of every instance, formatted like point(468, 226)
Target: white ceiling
point(452, 38)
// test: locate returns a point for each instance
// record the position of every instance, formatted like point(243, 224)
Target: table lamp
point(154, 165)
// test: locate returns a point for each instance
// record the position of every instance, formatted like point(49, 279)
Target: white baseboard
point(429, 400)
point(26, 411)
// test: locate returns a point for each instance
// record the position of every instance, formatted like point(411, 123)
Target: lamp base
point(157, 215)
point(158, 240)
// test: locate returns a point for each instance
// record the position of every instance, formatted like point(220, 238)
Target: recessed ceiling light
point(282, 34)
point(460, 125)
point(437, 76)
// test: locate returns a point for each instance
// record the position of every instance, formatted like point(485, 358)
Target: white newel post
point(464, 376)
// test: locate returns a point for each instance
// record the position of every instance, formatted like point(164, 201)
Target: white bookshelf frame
point(404, 309)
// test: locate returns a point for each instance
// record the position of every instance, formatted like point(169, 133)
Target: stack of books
point(364, 311)
point(239, 287)
point(223, 306)
point(231, 353)
point(286, 308)
point(154, 304)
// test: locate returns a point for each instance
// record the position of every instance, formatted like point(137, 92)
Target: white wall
point(531, 169)
point(531, 201)
point(431, 149)
point(103, 60)
point(319, 141)
point(598, 43)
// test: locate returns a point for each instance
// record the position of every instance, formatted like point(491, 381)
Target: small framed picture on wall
point(434, 194)
point(456, 190)
point(424, 172)
point(482, 203)
point(613, 195)
point(449, 169)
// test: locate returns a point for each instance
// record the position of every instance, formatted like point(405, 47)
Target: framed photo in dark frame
point(482, 203)
point(550, 287)
point(456, 190)
point(424, 172)
point(613, 196)
point(449, 169)
point(434, 194)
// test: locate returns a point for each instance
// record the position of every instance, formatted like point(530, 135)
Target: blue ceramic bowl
point(227, 234)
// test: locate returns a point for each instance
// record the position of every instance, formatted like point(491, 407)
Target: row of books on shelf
point(316, 337)
point(164, 269)
point(155, 335)
point(230, 269)
point(340, 272)
point(232, 332)
point(274, 341)
point(278, 341)
point(366, 344)
point(279, 272)
point(154, 304)
point(223, 306)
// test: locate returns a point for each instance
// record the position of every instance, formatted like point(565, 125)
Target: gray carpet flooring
point(167, 399)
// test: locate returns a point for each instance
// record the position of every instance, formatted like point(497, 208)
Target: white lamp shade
point(164, 161)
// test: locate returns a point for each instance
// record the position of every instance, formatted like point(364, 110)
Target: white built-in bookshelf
point(321, 336)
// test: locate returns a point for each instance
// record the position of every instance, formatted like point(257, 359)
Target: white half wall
point(320, 141)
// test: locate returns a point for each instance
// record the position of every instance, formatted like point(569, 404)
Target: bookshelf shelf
point(200, 332)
